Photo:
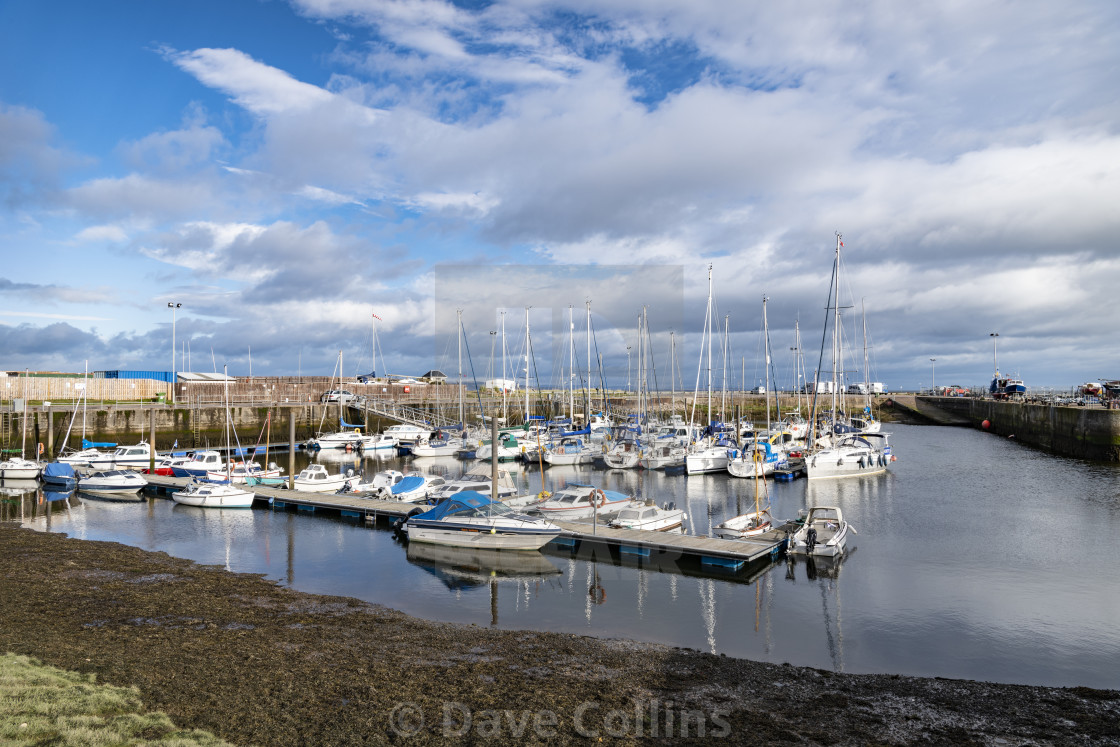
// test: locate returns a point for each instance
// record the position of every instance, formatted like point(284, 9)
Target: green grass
point(40, 704)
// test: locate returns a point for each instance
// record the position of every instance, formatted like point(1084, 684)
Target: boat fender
point(41, 449)
point(543, 496)
point(349, 473)
point(840, 462)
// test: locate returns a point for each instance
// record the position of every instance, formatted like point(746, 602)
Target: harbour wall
point(193, 427)
point(1083, 432)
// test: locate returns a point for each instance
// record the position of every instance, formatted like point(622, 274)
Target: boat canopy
point(407, 484)
point(58, 472)
point(467, 500)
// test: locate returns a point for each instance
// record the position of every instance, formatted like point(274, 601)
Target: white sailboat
point(833, 454)
point(216, 495)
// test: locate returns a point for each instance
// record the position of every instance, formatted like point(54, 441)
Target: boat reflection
point(468, 567)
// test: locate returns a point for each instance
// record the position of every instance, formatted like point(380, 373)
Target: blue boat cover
point(350, 425)
point(59, 472)
point(457, 503)
point(97, 445)
point(408, 484)
point(52, 495)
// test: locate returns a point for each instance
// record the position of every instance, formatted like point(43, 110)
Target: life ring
point(41, 449)
point(598, 498)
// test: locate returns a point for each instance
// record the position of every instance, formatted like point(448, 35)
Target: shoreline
point(257, 663)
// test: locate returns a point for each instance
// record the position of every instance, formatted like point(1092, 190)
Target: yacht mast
point(527, 363)
point(766, 353)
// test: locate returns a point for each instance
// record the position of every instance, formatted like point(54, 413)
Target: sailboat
point(349, 436)
point(216, 495)
point(845, 454)
point(709, 454)
point(749, 524)
point(91, 450)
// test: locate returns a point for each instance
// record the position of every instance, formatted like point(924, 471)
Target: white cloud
point(102, 233)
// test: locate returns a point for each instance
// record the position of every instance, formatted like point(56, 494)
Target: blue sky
point(285, 169)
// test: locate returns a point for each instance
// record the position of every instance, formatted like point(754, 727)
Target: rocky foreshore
point(256, 663)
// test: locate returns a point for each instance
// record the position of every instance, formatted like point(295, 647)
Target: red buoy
point(985, 424)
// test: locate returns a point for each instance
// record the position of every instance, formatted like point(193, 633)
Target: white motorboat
point(582, 502)
point(200, 464)
point(650, 517)
point(470, 519)
point(136, 456)
point(508, 449)
point(406, 434)
point(314, 478)
point(213, 495)
point(245, 473)
point(852, 455)
point(707, 459)
point(824, 532)
point(85, 457)
point(18, 468)
point(111, 482)
point(664, 455)
point(378, 485)
point(415, 487)
point(344, 439)
point(569, 450)
point(439, 447)
point(477, 480)
point(625, 453)
point(745, 525)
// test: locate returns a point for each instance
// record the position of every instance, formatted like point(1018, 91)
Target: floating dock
point(637, 544)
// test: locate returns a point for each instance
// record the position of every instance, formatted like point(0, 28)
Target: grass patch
point(40, 704)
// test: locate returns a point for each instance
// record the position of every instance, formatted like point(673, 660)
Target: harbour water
point(975, 557)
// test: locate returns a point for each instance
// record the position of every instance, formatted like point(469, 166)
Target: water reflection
point(943, 584)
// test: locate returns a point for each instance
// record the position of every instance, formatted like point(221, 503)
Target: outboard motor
point(810, 540)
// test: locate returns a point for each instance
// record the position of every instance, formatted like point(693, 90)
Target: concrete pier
point(1082, 432)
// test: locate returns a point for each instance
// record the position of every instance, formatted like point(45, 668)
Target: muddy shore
point(256, 663)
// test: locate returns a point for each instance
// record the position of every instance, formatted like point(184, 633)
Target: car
point(337, 395)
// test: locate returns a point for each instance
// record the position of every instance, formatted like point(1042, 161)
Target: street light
point(173, 306)
point(995, 358)
point(933, 373)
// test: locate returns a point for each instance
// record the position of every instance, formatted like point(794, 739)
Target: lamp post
point(173, 306)
point(995, 357)
point(933, 374)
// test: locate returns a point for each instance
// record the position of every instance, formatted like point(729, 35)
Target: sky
point(308, 176)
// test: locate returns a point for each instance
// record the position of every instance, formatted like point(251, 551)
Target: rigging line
point(474, 377)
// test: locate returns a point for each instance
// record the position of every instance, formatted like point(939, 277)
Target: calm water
point(975, 558)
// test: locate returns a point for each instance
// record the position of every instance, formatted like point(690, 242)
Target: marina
point(937, 582)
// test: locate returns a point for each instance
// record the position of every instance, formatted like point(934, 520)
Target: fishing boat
point(824, 532)
point(470, 519)
point(650, 517)
point(111, 482)
point(576, 501)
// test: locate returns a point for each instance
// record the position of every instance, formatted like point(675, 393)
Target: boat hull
point(483, 536)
